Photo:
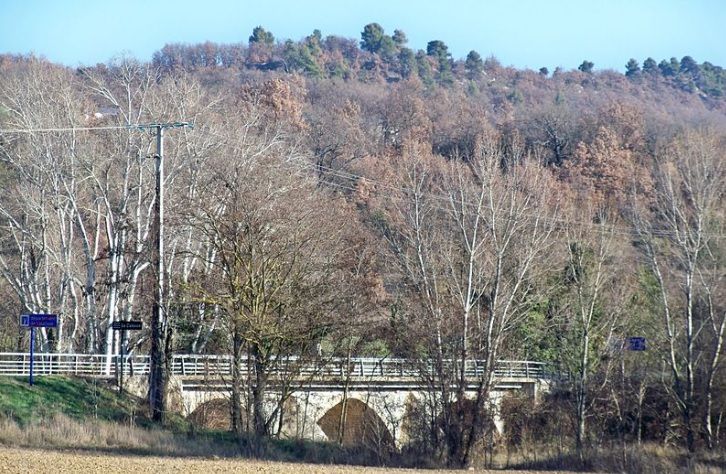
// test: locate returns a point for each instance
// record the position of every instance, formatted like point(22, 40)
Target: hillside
point(77, 399)
point(380, 57)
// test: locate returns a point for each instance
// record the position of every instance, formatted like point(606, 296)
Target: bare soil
point(17, 460)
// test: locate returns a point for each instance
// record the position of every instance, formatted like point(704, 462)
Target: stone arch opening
point(353, 423)
point(216, 414)
point(213, 414)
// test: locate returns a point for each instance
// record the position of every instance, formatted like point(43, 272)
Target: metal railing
point(92, 365)
point(195, 365)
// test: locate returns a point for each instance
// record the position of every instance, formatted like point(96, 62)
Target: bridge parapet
point(196, 365)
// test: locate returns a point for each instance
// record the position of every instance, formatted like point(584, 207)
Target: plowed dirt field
point(16, 460)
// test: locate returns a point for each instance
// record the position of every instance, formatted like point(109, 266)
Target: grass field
point(75, 398)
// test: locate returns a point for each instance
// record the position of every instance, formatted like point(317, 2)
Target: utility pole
point(158, 376)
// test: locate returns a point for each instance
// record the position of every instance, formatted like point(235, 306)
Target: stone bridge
point(356, 400)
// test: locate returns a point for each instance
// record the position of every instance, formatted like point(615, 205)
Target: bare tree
point(277, 259)
point(274, 255)
point(468, 239)
point(591, 303)
point(680, 240)
point(38, 217)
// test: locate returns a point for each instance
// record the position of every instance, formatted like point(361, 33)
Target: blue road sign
point(33, 321)
point(39, 320)
point(635, 344)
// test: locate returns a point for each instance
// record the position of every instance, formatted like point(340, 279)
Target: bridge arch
point(213, 411)
point(212, 414)
point(353, 422)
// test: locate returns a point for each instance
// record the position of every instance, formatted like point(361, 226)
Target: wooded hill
point(337, 199)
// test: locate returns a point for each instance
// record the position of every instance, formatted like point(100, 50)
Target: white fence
point(94, 365)
point(193, 365)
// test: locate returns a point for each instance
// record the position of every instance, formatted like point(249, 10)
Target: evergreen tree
point(372, 37)
point(387, 49)
point(666, 68)
point(407, 62)
point(632, 69)
point(675, 65)
point(314, 43)
point(399, 37)
point(474, 65)
point(689, 66)
point(438, 49)
point(544, 71)
point(300, 58)
point(423, 67)
point(586, 66)
point(712, 79)
point(650, 66)
point(261, 36)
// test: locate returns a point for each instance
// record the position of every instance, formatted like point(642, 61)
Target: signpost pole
point(123, 354)
point(124, 327)
point(32, 349)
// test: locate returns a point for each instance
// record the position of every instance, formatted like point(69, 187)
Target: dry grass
point(645, 459)
point(65, 433)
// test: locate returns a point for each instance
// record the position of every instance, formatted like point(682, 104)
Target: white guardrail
point(194, 365)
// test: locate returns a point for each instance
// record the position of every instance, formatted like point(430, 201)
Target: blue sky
point(523, 33)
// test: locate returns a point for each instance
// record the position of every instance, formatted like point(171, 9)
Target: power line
point(134, 126)
point(620, 230)
point(65, 129)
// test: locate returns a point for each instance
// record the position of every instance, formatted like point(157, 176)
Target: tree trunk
point(237, 382)
point(582, 397)
point(344, 407)
point(718, 330)
point(641, 397)
point(259, 390)
point(475, 430)
point(718, 428)
point(707, 425)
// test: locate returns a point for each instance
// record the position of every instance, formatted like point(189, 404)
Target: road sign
point(126, 325)
point(32, 321)
point(39, 320)
point(635, 344)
